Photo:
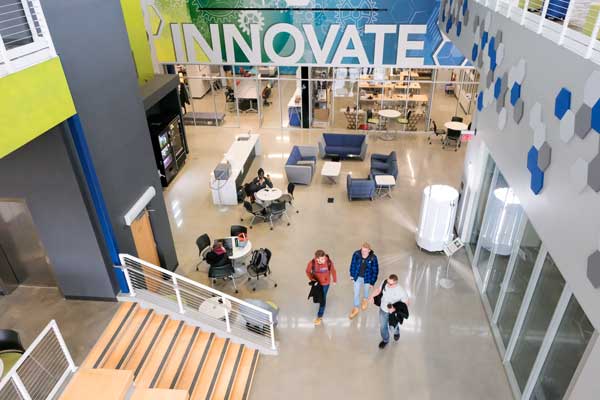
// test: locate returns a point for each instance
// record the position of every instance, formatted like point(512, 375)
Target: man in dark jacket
point(364, 269)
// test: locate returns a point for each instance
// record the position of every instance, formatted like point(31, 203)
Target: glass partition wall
point(540, 329)
point(339, 97)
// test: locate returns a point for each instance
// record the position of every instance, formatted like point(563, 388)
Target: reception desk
point(240, 155)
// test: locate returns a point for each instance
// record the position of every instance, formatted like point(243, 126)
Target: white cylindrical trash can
point(438, 211)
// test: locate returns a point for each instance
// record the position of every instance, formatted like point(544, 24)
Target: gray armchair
point(301, 164)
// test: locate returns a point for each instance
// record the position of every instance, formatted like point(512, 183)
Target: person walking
point(364, 269)
point(387, 298)
point(322, 270)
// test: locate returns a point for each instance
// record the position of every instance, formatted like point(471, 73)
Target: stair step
point(195, 362)
point(119, 322)
point(127, 339)
point(143, 348)
point(178, 356)
point(205, 379)
point(159, 353)
point(228, 371)
point(240, 390)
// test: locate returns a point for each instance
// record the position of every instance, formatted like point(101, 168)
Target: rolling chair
point(203, 243)
point(220, 268)
point(452, 136)
point(230, 99)
point(404, 120)
point(266, 93)
point(237, 229)
point(11, 348)
point(257, 211)
point(457, 119)
point(277, 210)
point(437, 132)
point(259, 266)
point(289, 196)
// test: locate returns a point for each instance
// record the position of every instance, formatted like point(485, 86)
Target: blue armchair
point(382, 164)
point(360, 188)
point(301, 164)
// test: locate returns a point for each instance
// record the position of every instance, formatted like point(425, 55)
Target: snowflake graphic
point(358, 18)
point(248, 18)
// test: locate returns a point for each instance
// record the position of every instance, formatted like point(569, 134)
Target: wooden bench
point(203, 118)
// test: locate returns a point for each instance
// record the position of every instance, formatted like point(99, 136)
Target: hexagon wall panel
point(480, 101)
point(591, 90)
point(520, 70)
point(544, 157)
point(502, 98)
point(567, 126)
point(489, 78)
point(499, 105)
point(466, 18)
point(518, 111)
point(475, 23)
point(487, 21)
point(593, 269)
point(539, 135)
point(579, 175)
point(532, 158)
point(515, 93)
point(535, 115)
point(474, 52)
point(499, 37)
point(594, 173)
point(497, 88)
point(502, 117)
point(583, 121)
point(500, 54)
point(596, 117)
point(480, 63)
point(484, 39)
point(458, 28)
point(562, 103)
point(537, 181)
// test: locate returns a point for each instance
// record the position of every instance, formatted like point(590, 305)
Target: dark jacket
point(371, 270)
point(316, 292)
point(399, 315)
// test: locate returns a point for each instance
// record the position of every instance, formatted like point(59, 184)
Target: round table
point(215, 307)
point(268, 194)
point(389, 114)
point(456, 126)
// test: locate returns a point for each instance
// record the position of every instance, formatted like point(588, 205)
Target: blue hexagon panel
point(480, 102)
point(474, 52)
point(484, 39)
point(515, 93)
point(537, 181)
point(449, 55)
point(458, 28)
point(449, 24)
point(562, 103)
point(532, 159)
point(491, 48)
point(596, 117)
point(465, 6)
point(497, 88)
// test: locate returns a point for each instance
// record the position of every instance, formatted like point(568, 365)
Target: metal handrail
point(188, 297)
point(562, 33)
point(47, 356)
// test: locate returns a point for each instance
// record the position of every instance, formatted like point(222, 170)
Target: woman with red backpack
point(319, 271)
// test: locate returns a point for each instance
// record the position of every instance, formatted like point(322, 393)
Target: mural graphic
point(299, 32)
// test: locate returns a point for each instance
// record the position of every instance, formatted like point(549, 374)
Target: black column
point(305, 98)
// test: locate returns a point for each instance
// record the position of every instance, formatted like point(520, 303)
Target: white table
point(268, 195)
point(331, 170)
point(239, 252)
point(456, 126)
point(247, 90)
point(383, 182)
point(388, 114)
point(215, 307)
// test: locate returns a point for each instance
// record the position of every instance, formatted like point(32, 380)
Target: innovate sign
point(299, 32)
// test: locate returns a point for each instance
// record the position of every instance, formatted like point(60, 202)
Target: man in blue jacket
point(364, 269)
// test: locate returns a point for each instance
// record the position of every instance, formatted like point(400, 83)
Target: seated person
point(258, 183)
point(266, 93)
point(218, 255)
point(218, 248)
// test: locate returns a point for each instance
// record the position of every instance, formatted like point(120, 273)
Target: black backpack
point(377, 299)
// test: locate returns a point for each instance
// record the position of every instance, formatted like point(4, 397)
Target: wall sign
point(299, 32)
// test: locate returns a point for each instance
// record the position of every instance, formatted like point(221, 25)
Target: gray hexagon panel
point(583, 121)
point(518, 111)
point(476, 24)
point(499, 104)
point(544, 156)
point(591, 91)
point(466, 18)
point(499, 36)
point(594, 173)
point(535, 115)
point(539, 135)
point(579, 175)
point(567, 126)
point(490, 78)
point(507, 98)
point(480, 62)
point(502, 117)
point(593, 269)
point(502, 98)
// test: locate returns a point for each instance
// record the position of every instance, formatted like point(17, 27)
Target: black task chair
point(288, 197)
point(203, 243)
point(220, 268)
point(237, 229)
point(277, 210)
point(11, 349)
point(259, 266)
point(457, 119)
point(436, 132)
point(257, 211)
point(452, 136)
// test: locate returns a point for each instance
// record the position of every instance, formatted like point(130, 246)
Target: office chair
point(404, 120)
point(230, 99)
point(266, 93)
point(256, 210)
point(220, 268)
point(277, 210)
point(289, 196)
point(237, 229)
point(457, 119)
point(259, 266)
point(452, 136)
point(11, 349)
point(437, 132)
point(203, 243)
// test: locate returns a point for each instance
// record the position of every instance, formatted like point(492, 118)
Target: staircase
point(164, 353)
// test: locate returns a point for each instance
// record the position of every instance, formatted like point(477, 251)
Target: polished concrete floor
point(446, 350)
point(29, 309)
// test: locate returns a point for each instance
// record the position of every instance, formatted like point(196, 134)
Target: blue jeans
point(322, 306)
point(357, 284)
point(384, 327)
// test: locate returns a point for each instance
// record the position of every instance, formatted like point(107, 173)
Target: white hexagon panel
point(535, 115)
point(579, 175)
point(502, 117)
point(539, 135)
point(591, 91)
point(567, 126)
point(521, 68)
point(500, 54)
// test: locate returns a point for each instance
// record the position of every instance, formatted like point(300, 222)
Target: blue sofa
point(382, 164)
point(343, 145)
point(301, 164)
point(360, 188)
